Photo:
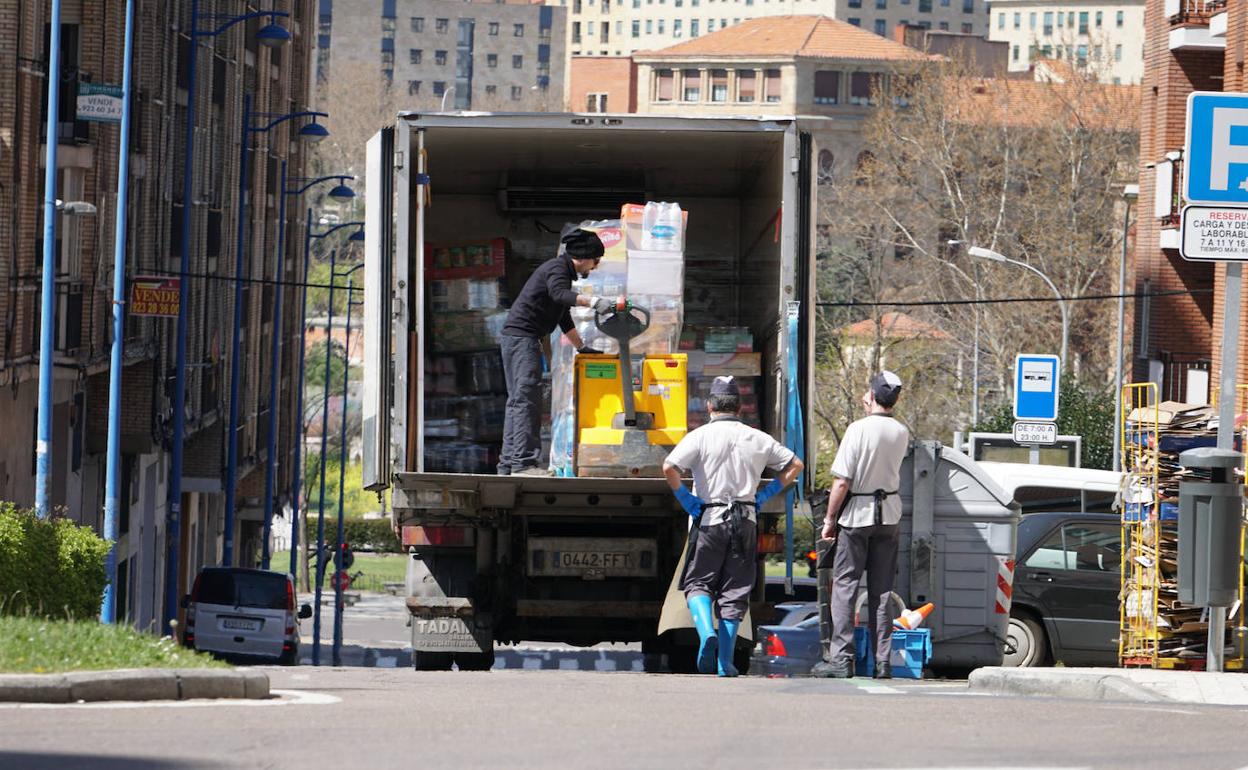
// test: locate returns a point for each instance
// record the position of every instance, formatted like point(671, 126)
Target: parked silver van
point(245, 614)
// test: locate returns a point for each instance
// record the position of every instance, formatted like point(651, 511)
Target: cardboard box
point(472, 259)
point(465, 294)
point(732, 365)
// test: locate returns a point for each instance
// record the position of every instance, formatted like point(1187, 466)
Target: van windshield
point(243, 589)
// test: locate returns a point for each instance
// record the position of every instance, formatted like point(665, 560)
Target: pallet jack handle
point(622, 325)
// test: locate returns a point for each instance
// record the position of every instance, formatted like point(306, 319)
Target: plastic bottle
point(662, 225)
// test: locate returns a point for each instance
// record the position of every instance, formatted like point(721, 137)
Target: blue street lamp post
point(109, 603)
point(320, 521)
point(313, 132)
point(272, 35)
point(342, 459)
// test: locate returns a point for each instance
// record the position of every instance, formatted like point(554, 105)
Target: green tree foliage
point(1083, 410)
point(362, 534)
point(314, 368)
point(356, 500)
point(51, 567)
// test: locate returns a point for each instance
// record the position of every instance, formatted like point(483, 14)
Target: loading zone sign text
point(1214, 234)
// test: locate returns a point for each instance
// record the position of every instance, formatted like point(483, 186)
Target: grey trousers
point(522, 425)
point(713, 571)
point(873, 549)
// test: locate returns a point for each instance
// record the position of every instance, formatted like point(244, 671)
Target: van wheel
point(289, 658)
point(475, 661)
point(431, 661)
point(1025, 643)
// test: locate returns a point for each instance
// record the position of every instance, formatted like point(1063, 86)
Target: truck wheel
point(431, 661)
point(741, 659)
point(475, 661)
point(652, 656)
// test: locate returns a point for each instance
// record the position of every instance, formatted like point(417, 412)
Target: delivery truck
point(500, 559)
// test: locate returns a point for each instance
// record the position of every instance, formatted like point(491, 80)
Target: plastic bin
point(864, 655)
point(911, 651)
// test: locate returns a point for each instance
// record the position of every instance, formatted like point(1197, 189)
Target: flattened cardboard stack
point(1159, 630)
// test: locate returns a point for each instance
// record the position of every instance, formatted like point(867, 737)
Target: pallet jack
point(626, 426)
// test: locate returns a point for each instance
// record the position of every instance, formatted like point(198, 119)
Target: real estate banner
point(99, 102)
point(154, 296)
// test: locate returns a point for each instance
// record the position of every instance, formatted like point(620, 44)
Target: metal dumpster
point(958, 536)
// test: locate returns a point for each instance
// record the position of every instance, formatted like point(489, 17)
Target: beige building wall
point(1109, 37)
point(641, 25)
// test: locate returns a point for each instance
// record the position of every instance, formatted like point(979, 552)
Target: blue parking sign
point(1215, 167)
point(1036, 387)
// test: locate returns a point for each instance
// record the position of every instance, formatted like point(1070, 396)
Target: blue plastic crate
point(864, 652)
point(911, 651)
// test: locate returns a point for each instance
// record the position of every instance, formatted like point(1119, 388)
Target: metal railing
point(1189, 12)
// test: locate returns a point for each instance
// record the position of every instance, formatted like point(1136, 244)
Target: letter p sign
point(1216, 156)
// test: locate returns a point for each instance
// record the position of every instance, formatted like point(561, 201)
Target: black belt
point(878, 508)
point(734, 517)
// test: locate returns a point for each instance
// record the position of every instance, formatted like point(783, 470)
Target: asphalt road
point(398, 718)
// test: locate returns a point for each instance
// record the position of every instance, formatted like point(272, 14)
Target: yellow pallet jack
point(625, 427)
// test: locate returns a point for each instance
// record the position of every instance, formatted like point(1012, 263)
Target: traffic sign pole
point(1232, 301)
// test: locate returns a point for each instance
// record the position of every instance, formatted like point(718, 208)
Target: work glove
point(586, 350)
point(601, 304)
point(766, 493)
point(691, 503)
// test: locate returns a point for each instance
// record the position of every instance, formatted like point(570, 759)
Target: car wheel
point(1025, 643)
point(475, 661)
point(432, 661)
point(289, 658)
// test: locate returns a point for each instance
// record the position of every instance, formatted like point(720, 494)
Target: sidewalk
point(1140, 685)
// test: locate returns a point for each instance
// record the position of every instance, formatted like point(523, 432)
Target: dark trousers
point(522, 426)
point(873, 549)
point(713, 571)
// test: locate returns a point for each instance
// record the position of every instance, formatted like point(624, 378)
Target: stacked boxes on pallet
point(716, 351)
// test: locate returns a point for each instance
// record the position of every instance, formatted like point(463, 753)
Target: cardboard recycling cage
point(959, 532)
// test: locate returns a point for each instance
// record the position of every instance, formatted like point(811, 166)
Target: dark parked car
point(1065, 606)
point(1066, 584)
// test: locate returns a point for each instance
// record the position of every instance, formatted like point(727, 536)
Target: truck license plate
point(594, 559)
point(591, 558)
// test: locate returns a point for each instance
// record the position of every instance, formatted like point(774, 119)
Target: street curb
point(1058, 683)
point(133, 685)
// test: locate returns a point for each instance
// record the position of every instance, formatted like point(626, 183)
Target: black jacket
point(545, 301)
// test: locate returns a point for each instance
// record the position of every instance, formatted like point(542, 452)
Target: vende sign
point(100, 103)
point(1215, 234)
point(154, 296)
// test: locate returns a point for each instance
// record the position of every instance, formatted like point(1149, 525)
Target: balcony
point(1168, 198)
point(1217, 22)
point(1190, 24)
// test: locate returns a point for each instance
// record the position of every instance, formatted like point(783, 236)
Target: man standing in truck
point(545, 302)
point(727, 459)
point(868, 477)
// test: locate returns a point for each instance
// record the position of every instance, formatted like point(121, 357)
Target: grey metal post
point(1122, 313)
point(1226, 426)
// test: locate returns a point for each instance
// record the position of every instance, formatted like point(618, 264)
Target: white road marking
point(285, 698)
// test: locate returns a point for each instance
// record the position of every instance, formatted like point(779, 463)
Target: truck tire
point(432, 661)
point(475, 661)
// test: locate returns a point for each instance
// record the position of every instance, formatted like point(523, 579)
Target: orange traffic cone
point(912, 619)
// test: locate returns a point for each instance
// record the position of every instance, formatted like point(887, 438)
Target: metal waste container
point(1210, 516)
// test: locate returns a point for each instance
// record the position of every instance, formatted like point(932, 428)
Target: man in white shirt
point(727, 459)
point(868, 476)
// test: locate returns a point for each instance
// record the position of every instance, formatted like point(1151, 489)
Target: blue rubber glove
point(766, 493)
point(692, 504)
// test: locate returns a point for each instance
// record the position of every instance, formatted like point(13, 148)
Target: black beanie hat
point(583, 244)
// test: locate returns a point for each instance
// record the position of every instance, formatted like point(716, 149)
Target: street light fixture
point(982, 253)
point(313, 132)
point(271, 34)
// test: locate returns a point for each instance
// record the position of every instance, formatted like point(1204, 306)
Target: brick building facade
point(92, 48)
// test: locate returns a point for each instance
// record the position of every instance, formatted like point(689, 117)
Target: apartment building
point(620, 27)
point(464, 55)
point(1104, 39)
point(228, 64)
point(1189, 46)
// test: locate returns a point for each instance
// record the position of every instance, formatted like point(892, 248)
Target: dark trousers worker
point(545, 303)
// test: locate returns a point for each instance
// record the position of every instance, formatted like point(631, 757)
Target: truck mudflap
point(448, 624)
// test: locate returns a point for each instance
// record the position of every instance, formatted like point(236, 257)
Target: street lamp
point(1130, 193)
point(982, 253)
point(270, 35)
point(342, 451)
point(231, 455)
point(341, 192)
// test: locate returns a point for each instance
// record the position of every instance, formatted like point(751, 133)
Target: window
point(387, 58)
point(413, 87)
point(1018, 21)
point(596, 103)
point(491, 90)
point(1081, 53)
point(439, 88)
point(664, 85)
point(418, 23)
point(693, 28)
point(746, 85)
point(576, 32)
point(439, 58)
point(1061, 19)
point(517, 62)
point(589, 30)
point(710, 26)
point(441, 26)
point(967, 28)
point(691, 85)
point(857, 22)
point(576, 6)
point(413, 55)
point(1015, 53)
point(881, 27)
point(1070, 19)
point(1118, 20)
point(827, 87)
point(1083, 22)
point(925, 6)
point(491, 60)
point(649, 26)
point(855, 3)
point(826, 165)
point(676, 28)
point(1080, 547)
point(943, 26)
point(636, 28)
point(1100, 19)
point(968, 6)
point(719, 85)
point(862, 86)
point(1000, 21)
point(881, 4)
point(661, 22)
point(515, 93)
point(1118, 52)
point(1048, 22)
point(1031, 20)
point(493, 29)
point(518, 30)
point(771, 85)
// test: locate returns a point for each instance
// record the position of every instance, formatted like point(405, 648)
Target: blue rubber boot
point(700, 609)
point(727, 645)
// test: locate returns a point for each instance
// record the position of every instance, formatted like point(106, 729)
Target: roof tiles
point(791, 36)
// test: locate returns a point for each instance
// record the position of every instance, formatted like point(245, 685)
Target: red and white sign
point(341, 581)
point(152, 295)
